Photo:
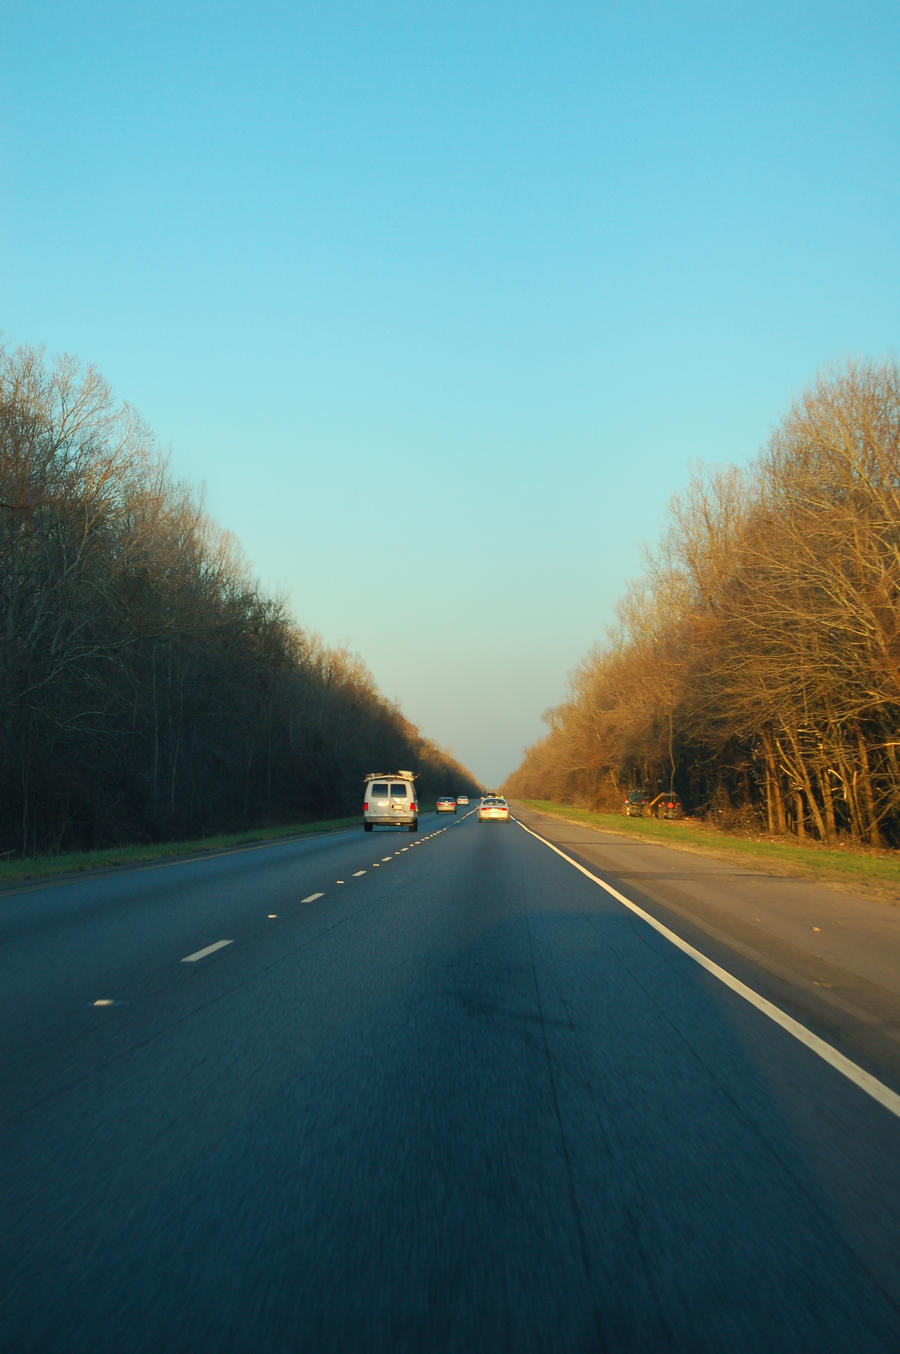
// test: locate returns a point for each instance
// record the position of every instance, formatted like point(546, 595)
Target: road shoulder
point(829, 957)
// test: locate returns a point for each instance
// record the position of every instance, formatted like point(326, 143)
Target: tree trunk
point(806, 786)
point(827, 804)
point(774, 798)
point(871, 827)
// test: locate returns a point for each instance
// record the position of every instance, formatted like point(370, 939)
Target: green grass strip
point(79, 862)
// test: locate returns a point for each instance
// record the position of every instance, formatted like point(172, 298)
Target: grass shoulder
point(875, 872)
point(121, 857)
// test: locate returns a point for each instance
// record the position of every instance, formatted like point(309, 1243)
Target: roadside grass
point(116, 857)
point(877, 871)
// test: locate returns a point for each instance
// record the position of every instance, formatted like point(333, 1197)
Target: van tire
point(414, 827)
point(367, 827)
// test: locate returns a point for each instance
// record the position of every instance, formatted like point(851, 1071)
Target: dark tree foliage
point(148, 690)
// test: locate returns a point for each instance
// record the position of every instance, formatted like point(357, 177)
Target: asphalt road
point(436, 1092)
point(828, 956)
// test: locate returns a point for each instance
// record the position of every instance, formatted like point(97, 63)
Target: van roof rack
point(386, 775)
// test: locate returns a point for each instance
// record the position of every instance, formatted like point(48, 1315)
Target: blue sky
point(477, 283)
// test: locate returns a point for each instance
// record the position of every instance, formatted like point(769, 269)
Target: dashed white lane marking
point(271, 916)
point(847, 1068)
point(104, 1001)
point(201, 954)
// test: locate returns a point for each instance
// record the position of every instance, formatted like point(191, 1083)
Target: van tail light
point(366, 807)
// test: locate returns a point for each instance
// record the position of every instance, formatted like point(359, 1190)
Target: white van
point(390, 800)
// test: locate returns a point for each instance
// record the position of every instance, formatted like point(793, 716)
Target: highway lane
point(113, 936)
point(463, 1101)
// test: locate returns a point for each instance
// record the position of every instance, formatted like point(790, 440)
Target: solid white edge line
point(312, 897)
point(847, 1068)
point(201, 954)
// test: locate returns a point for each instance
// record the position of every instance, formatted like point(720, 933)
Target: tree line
point(755, 666)
point(149, 690)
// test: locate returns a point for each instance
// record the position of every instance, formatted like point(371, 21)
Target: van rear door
point(379, 799)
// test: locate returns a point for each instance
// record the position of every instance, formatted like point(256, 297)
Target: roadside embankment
point(875, 873)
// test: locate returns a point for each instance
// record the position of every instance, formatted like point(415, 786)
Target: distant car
point(667, 805)
point(493, 809)
point(462, 799)
point(445, 805)
point(637, 804)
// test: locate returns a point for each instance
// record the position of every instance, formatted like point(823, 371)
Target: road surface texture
point(441, 1092)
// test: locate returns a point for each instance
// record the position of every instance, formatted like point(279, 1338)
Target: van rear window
point(398, 789)
point(379, 790)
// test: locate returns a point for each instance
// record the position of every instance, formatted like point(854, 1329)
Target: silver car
point(493, 809)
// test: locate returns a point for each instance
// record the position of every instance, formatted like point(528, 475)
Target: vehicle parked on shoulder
point(667, 805)
point(637, 804)
point(389, 800)
point(445, 805)
point(493, 809)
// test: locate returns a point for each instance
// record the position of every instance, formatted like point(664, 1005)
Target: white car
point(462, 799)
point(445, 805)
point(493, 809)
